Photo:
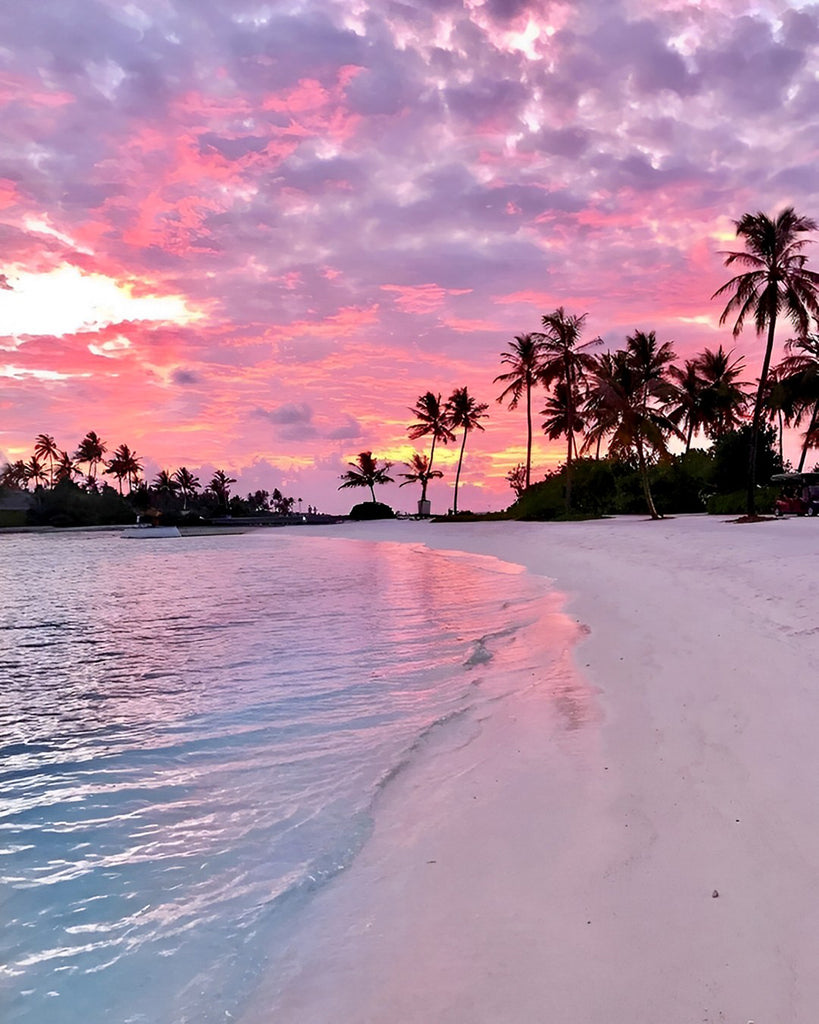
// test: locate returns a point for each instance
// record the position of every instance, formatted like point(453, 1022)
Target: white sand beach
point(638, 845)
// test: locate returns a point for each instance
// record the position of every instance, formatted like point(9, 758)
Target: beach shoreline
point(658, 869)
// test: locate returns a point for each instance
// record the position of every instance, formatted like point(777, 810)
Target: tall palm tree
point(524, 362)
point(632, 400)
point(463, 412)
point(564, 358)
point(91, 451)
point(45, 447)
point(431, 417)
point(365, 472)
point(799, 374)
point(220, 487)
point(188, 484)
point(419, 472)
point(776, 281)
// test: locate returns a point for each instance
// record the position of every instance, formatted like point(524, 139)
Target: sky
point(248, 236)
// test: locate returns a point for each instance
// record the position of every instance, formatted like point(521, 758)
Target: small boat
point(147, 526)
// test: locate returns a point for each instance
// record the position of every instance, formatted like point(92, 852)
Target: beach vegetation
point(565, 362)
point(431, 420)
point(776, 281)
point(365, 472)
point(420, 472)
point(525, 368)
point(366, 510)
point(631, 394)
point(464, 412)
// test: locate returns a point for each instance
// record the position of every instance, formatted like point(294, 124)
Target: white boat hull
point(145, 532)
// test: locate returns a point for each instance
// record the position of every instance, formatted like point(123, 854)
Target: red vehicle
point(799, 495)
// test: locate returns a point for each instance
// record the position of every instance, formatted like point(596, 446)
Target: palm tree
point(65, 468)
point(35, 472)
point(188, 484)
point(14, 475)
point(777, 281)
point(688, 410)
point(91, 450)
point(220, 487)
point(419, 472)
point(524, 361)
point(165, 486)
point(631, 398)
point(124, 464)
point(463, 411)
point(365, 472)
point(798, 373)
point(562, 417)
point(431, 418)
point(45, 447)
point(565, 359)
point(723, 397)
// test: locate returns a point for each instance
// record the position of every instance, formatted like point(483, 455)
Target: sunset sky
point(249, 235)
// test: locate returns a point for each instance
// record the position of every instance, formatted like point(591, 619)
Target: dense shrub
point(371, 510)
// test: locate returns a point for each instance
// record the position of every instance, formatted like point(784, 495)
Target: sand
point(654, 858)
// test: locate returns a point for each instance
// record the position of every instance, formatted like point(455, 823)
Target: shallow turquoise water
point(192, 734)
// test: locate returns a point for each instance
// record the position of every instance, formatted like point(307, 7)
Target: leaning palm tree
point(420, 473)
point(776, 281)
point(799, 374)
point(365, 472)
point(523, 359)
point(463, 411)
point(45, 447)
point(431, 420)
point(564, 358)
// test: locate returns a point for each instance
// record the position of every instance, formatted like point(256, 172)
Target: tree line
point(50, 467)
point(635, 400)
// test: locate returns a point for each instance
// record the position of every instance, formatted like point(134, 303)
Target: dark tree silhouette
point(463, 412)
point(524, 362)
point(776, 282)
point(365, 472)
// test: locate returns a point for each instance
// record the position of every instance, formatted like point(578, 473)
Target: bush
point(371, 510)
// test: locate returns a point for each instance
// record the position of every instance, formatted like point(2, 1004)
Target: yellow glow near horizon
point(65, 301)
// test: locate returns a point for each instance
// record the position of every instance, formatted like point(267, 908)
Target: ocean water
point(193, 737)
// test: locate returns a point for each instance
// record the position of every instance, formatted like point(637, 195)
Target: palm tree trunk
point(806, 444)
point(372, 492)
point(570, 432)
point(652, 509)
point(690, 436)
point(763, 377)
point(458, 473)
point(528, 431)
point(425, 481)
